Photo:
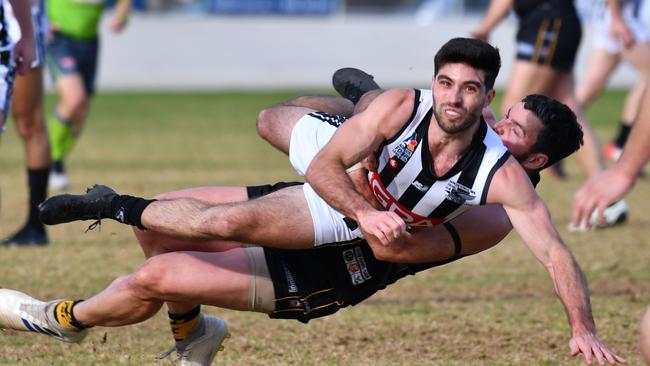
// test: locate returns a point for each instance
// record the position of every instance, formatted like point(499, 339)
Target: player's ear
point(490, 96)
point(535, 161)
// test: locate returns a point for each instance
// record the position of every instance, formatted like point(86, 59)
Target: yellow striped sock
point(63, 313)
point(182, 327)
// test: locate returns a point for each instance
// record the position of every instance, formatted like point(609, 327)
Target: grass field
point(496, 308)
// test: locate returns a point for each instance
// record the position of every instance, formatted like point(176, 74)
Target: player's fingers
point(397, 224)
point(581, 212)
point(599, 354)
point(586, 351)
point(575, 348)
point(610, 356)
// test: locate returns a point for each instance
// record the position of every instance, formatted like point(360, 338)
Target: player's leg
point(601, 65)
point(220, 279)
point(589, 155)
point(281, 219)
point(275, 124)
point(64, 60)
point(154, 243)
point(527, 78)
point(28, 114)
point(644, 339)
point(639, 57)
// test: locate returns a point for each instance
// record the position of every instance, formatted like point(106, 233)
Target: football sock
point(59, 131)
point(58, 166)
point(623, 134)
point(64, 315)
point(128, 209)
point(182, 323)
point(37, 181)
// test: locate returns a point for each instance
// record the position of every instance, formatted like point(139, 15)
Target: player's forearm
point(636, 152)
point(331, 182)
point(122, 10)
point(23, 15)
point(497, 10)
point(571, 287)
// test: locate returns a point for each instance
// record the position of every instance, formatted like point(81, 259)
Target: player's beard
point(470, 117)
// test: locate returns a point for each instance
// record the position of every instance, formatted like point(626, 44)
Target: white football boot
point(202, 344)
point(19, 311)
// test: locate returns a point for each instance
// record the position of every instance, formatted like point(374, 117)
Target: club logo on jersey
point(458, 193)
point(419, 186)
point(405, 149)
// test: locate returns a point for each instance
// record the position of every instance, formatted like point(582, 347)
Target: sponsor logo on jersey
point(390, 203)
point(458, 193)
point(405, 149)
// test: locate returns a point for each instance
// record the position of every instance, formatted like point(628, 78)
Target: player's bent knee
point(265, 123)
point(152, 280)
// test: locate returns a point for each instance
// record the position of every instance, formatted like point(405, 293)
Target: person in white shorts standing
point(618, 34)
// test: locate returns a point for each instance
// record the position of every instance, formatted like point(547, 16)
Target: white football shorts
point(308, 137)
point(603, 39)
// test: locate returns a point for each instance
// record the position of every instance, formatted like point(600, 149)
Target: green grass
point(496, 308)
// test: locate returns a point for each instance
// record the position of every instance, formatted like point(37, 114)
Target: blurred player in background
point(27, 110)
point(618, 35)
point(72, 57)
point(547, 42)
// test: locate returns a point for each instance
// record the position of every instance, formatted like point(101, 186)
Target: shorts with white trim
point(601, 25)
point(309, 135)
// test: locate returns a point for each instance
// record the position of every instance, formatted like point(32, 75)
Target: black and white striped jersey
point(406, 183)
point(5, 39)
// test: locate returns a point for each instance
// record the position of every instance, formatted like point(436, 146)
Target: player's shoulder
point(396, 100)
point(509, 180)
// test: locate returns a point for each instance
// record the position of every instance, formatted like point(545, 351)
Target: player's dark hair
point(561, 135)
point(476, 53)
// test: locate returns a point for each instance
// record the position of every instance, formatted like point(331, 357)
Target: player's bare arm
point(24, 51)
point(531, 218)
point(478, 229)
point(352, 142)
point(497, 10)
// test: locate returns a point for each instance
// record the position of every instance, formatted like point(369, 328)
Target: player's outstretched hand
point(599, 192)
point(386, 226)
point(591, 347)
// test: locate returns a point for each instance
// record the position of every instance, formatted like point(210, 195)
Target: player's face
point(459, 95)
point(519, 130)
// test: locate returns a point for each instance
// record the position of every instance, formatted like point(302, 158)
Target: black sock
point(128, 209)
point(37, 181)
point(623, 133)
point(58, 167)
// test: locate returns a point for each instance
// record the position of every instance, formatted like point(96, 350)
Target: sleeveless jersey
point(77, 19)
point(406, 183)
